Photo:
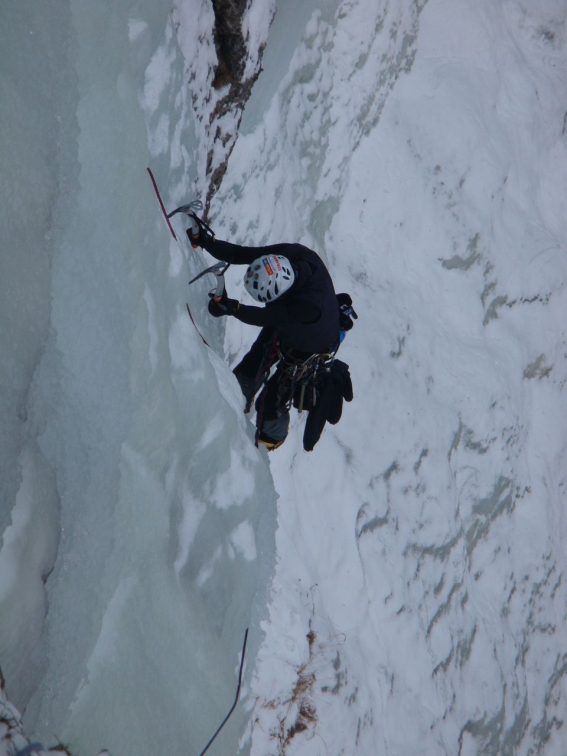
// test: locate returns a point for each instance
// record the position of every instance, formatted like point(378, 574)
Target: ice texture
point(416, 600)
point(138, 518)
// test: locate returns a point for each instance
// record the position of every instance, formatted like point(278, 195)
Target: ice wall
point(37, 86)
point(137, 517)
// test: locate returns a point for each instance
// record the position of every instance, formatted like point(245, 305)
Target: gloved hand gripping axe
point(218, 269)
point(198, 225)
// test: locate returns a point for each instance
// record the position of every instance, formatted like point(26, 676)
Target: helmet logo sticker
point(269, 269)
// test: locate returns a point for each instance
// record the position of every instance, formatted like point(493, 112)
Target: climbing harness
point(298, 379)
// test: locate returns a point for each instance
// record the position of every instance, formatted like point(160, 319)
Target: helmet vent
point(268, 277)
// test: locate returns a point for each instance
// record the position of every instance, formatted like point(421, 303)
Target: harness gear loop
point(297, 372)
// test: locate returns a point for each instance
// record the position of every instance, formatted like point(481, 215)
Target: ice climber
point(302, 323)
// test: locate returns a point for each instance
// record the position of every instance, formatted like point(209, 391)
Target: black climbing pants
point(272, 423)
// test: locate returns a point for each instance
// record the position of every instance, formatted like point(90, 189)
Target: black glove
point(203, 238)
point(346, 312)
point(226, 306)
point(342, 389)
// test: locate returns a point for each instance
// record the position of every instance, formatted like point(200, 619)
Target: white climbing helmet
point(267, 278)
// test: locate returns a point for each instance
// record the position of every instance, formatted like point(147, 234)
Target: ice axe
point(197, 223)
point(193, 207)
point(218, 270)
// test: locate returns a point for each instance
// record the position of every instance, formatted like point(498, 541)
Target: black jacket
point(307, 315)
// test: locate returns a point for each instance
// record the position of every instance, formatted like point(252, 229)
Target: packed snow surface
point(404, 583)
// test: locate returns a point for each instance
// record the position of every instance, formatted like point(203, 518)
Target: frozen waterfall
point(405, 588)
point(138, 518)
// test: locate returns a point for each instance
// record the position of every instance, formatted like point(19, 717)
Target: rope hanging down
point(233, 707)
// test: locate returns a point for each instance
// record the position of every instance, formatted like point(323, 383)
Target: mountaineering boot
point(274, 432)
